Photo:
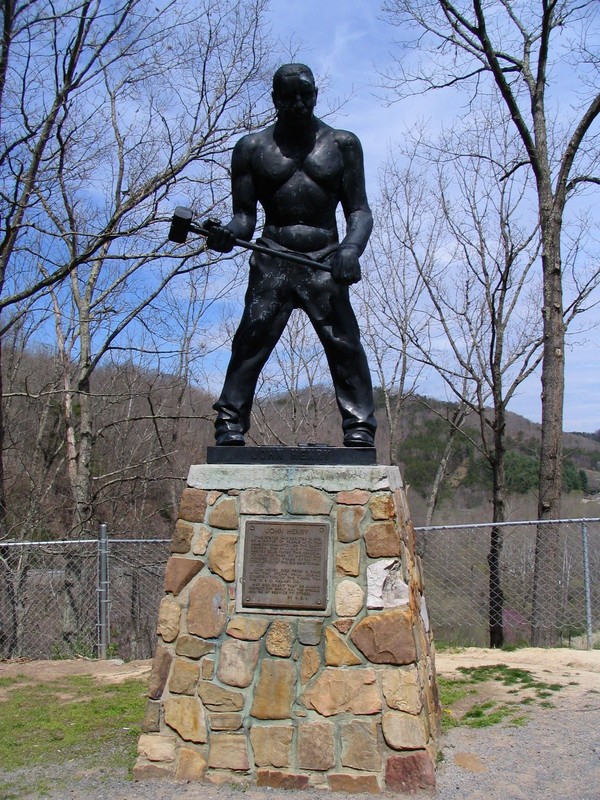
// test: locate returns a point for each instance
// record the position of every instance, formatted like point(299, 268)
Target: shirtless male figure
point(299, 170)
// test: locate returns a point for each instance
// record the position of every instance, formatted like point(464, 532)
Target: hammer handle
point(285, 254)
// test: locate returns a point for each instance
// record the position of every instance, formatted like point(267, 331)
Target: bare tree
point(392, 292)
point(111, 110)
point(516, 50)
point(476, 271)
point(111, 113)
point(31, 462)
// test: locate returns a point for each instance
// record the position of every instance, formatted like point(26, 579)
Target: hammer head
point(180, 224)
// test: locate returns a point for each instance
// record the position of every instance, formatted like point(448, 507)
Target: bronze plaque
point(285, 565)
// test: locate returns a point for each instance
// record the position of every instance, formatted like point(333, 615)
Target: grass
point(74, 718)
point(491, 712)
point(451, 691)
point(448, 647)
point(520, 679)
point(482, 715)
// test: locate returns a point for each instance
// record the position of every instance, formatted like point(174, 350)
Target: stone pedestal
point(335, 686)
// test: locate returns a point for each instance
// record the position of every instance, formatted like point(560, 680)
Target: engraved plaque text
point(285, 565)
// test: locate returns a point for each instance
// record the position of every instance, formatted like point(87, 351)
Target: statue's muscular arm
point(359, 220)
point(243, 196)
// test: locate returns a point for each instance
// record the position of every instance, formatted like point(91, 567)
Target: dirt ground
point(555, 754)
point(578, 670)
point(111, 671)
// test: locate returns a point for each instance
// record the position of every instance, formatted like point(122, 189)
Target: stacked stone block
point(344, 699)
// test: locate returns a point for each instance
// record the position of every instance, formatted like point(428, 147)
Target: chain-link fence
point(483, 577)
point(80, 598)
point(101, 597)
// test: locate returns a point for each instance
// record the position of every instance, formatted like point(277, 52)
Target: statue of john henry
point(299, 170)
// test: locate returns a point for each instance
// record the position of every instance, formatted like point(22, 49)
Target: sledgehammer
point(181, 225)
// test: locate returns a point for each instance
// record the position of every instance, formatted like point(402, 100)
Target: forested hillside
point(149, 428)
point(428, 432)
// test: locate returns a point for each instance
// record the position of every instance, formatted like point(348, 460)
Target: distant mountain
point(426, 427)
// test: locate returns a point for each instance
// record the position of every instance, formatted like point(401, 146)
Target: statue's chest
point(322, 165)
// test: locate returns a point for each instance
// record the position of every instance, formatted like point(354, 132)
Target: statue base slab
point(309, 454)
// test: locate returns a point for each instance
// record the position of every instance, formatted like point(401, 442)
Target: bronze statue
point(299, 170)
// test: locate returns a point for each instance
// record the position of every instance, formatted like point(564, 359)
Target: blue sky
point(346, 45)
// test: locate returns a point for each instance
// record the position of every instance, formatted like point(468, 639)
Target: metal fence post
point(586, 579)
point(103, 592)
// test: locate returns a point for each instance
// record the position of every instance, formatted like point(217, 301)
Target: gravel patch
point(553, 756)
point(556, 755)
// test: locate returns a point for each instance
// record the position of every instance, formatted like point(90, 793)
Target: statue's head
point(292, 70)
point(294, 92)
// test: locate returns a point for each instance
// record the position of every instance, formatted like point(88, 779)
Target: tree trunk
point(457, 420)
point(9, 642)
point(81, 487)
point(496, 595)
point(15, 567)
point(3, 509)
point(496, 599)
point(136, 626)
point(545, 577)
point(544, 627)
point(8, 634)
